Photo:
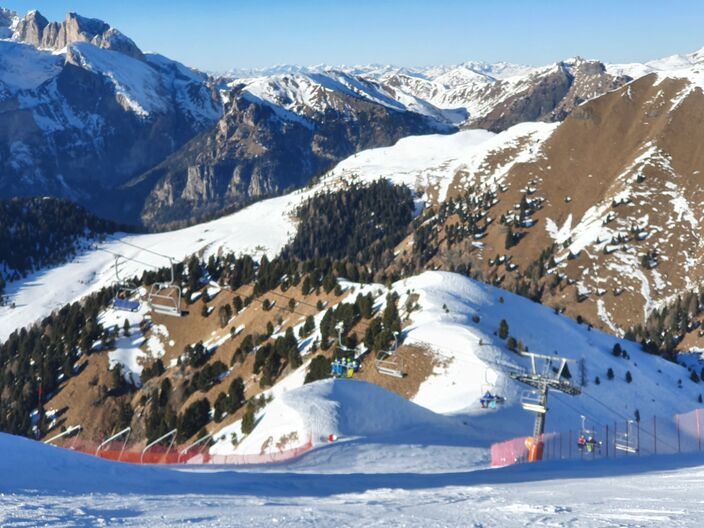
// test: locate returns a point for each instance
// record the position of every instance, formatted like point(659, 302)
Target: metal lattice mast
point(543, 380)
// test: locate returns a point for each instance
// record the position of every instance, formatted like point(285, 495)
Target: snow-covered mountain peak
point(8, 22)
point(462, 76)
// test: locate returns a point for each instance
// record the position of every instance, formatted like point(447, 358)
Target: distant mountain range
point(140, 138)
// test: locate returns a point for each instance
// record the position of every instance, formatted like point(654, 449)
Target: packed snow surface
point(45, 486)
point(343, 408)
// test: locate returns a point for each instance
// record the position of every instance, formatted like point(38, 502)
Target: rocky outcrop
point(255, 151)
point(80, 122)
point(547, 96)
point(30, 29)
point(36, 30)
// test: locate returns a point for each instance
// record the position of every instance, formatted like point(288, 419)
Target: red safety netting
point(164, 454)
point(682, 433)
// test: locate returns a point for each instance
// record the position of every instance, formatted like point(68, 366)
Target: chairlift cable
point(121, 241)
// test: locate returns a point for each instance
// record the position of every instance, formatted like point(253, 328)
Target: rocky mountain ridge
point(141, 138)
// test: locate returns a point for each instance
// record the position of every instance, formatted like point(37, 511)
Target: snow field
point(60, 488)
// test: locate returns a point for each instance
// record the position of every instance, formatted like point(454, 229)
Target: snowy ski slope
point(46, 486)
point(470, 360)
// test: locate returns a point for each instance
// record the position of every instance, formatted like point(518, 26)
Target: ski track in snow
point(651, 491)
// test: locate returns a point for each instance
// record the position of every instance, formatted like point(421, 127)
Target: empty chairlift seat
point(389, 364)
point(165, 298)
point(533, 401)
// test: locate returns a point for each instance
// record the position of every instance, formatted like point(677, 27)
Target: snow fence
point(681, 433)
point(164, 454)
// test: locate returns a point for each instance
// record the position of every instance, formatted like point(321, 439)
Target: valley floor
point(648, 491)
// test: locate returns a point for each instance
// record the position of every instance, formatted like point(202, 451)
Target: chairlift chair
point(488, 396)
point(531, 400)
point(122, 300)
point(627, 441)
point(165, 297)
point(587, 437)
point(389, 363)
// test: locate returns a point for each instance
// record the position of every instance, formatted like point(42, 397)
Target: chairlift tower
point(543, 378)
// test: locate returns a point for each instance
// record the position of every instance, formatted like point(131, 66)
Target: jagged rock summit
point(36, 30)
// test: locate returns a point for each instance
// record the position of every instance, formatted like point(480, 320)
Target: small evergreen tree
point(318, 369)
point(248, 422)
point(610, 373)
point(237, 304)
point(629, 378)
point(503, 329)
point(194, 418)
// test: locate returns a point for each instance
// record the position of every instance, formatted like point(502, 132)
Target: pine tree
point(610, 373)
point(235, 395)
point(503, 329)
point(318, 369)
point(629, 378)
point(248, 422)
point(194, 418)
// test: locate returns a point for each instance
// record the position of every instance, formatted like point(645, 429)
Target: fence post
point(570, 445)
point(615, 440)
point(677, 421)
point(655, 435)
point(638, 437)
point(699, 435)
point(560, 445)
point(606, 442)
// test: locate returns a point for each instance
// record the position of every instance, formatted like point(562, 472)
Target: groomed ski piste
point(414, 469)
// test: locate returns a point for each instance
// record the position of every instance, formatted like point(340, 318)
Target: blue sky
point(217, 35)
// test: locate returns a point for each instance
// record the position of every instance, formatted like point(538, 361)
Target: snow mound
point(344, 408)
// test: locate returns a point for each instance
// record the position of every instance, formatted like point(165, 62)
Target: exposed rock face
point(78, 124)
point(497, 103)
point(255, 152)
point(30, 29)
point(547, 96)
point(36, 30)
